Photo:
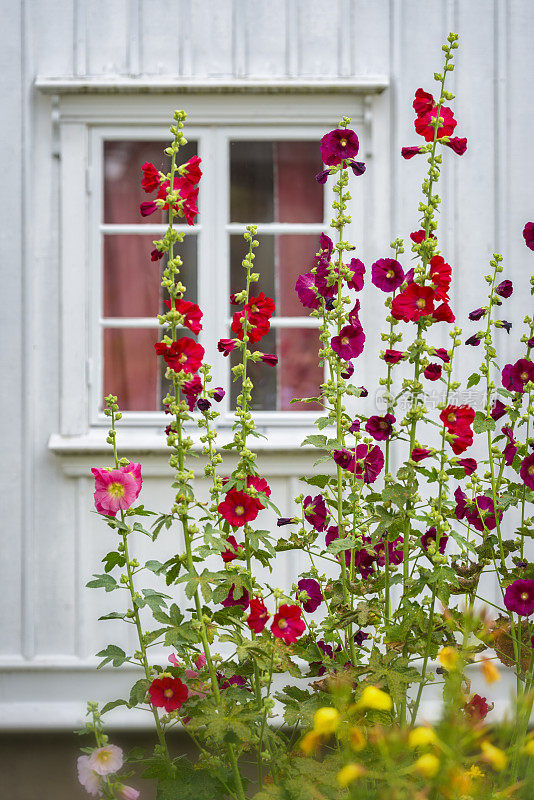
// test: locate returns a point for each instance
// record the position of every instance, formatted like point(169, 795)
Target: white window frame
point(83, 122)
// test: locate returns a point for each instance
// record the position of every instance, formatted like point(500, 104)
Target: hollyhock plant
point(387, 274)
point(443, 313)
point(369, 462)
point(338, 145)
point(441, 352)
point(91, 782)
point(315, 511)
point(519, 597)
point(314, 596)
point(151, 177)
point(477, 314)
point(516, 376)
point(505, 289)
point(232, 551)
point(393, 356)
point(380, 428)
point(288, 624)
point(420, 453)
point(433, 372)
point(440, 275)
point(242, 598)
point(349, 343)
point(424, 123)
point(431, 536)
point(106, 760)
point(423, 103)
point(190, 313)
point(168, 693)
point(419, 236)
point(116, 489)
point(498, 410)
point(357, 269)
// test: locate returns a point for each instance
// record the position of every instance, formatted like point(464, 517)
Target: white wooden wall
point(50, 541)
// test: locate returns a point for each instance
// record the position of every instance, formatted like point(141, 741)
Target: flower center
point(282, 624)
point(451, 417)
point(183, 358)
point(104, 756)
point(168, 693)
point(390, 273)
point(530, 470)
point(343, 142)
point(421, 303)
point(116, 489)
point(345, 340)
point(254, 309)
point(383, 425)
point(524, 595)
point(239, 510)
point(524, 376)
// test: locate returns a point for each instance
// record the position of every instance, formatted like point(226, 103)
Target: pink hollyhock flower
point(519, 597)
point(410, 152)
point(313, 592)
point(315, 511)
point(183, 355)
point(527, 471)
point(168, 693)
point(441, 352)
point(511, 449)
point(443, 313)
point(156, 255)
point(413, 303)
point(505, 289)
point(339, 145)
point(257, 619)
point(349, 344)
point(387, 274)
point(433, 372)
point(191, 389)
point(420, 453)
point(424, 124)
point(326, 247)
point(516, 376)
point(498, 410)
point(431, 536)
point(191, 170)
point(242, 600)
point(151, 177)
point(357, 268)
point(105, 760)
point(116, 489)
point(190, 312)
point(477, 314)
point(288, 624)
point(420, 235)
point(440, 275)
point(380, 428)
point(368, 462)
point(238, 508)
point(394, 550)
point(477, 708)
point(232, 551)
point(128, 792)
point(225, 346)
point(393, 356)
point(459, 146)
point(305, 288)
point(147, 207)
point(528, 235)
point(469, 465)
point(91, 782)
point(423, 103)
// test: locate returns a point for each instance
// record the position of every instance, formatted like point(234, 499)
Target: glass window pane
point(279, 261)
point(123, 192)
point(263, 377)
point(275, 182)
point(132, 282)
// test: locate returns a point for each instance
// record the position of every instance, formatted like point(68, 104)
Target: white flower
point(105, 760)
point(87, 777)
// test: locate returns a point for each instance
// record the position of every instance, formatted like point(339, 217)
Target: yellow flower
point(419, 737)
point(375, 698)
point(494, 755)
point(475, 772)
point(448, 658)
point(310, 742)
point(528, 749)
point(325, 721)
point(427, 765)
point(357, 739)
point(349, 773)
point(490, 671)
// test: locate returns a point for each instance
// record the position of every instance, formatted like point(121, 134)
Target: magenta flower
point(380, 428)
point(498, 410)
point(269, 358)
point(315, 511)
point(347, 371)
point(461, 504)
point(516, 376)
point(218, 394)
point(505, 289)
point(339, 145)
point(431, 536)
point(355, 426)
point(354, 314)
point(191, 389)
point(527, 471)
point(485, 517)
point(420, 453)
point(469, 465)
point(368, 462)
point(511, 449)
point(441, 352)
point(528, 235)
point(357, 268)
point(323, 175)
point(349, 344)
point(395, 552)
point(116, 489)
point(357, 167)
point(387, 274)
point(459, 146)
point(313, 592)
point(477, 314)
point(225, 346)
point(147, 207)
point(393, 356)
point(433, 372)
point(305, 288)
point(423, 103)
point(410, 152)
point(242, 600)
point(519, 597)
point(344, 459)
point(474, 340)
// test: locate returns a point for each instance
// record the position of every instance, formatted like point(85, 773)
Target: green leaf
point(323, 422)
point(113, 559)
point(114, 654)
point(113, 615)
point(103, 581)
point(318, 480)
point(138, 692)
point(155, 566)
point(473, 380)
point(316, 440)
point(483, 423)
point(113, 704)
point(190, 783)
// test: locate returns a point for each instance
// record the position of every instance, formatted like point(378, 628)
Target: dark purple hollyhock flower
point(503, 323)
point(243, 600)
point(325, 648)
point(313, 590)
point(315, 511)
point(459, 146)
point(510, 450)
point(203, 404)
point(355, 427)
point(410, 152)
point(269, 358)
point(519, 597)
point(505, 288)
point(349, 344)
point(420, 453)
point(168, 429)
point(331, 535)
point(387, 274)
point(358, 167)
point(363, 391)
point(347, 371)
point(393, 356)
point(344, 459)
point(353, 315)
point(431, 536)
point(339, 145)
point(527, 471)
point(474, 340)
point(360, 637)
point(469, 465)
point(322, 176)
point(284, 521)
point(358, 271)
point(317, 666)
point(364, 559)
point(329, 304)
point(380, 428)
point(394, 549)
point(530, 342)
point(191, 389)
point(461, 504)
point(305, 288)
point(369, 462)
point(156, 254)
point(485, 517)
point(498, 410)
point(515, 376)
point(218, 394)
point(528, 235)
point(441, 352)
point(433, 372)
point(477, 314)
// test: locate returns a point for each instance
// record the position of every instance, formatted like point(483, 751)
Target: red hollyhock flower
point(387, 274)
point(511, 449)
point(242, 600)
point(156, 255)
point(443, 313)
point(424, 124)
point(393, 356)
point(420, 453)
point(269, 358)
point(368, 462)
point(191, 314)
point(498, 410)
point(459, 146)
point(225, 346)
point(188, 193)
point(259, 327)
point(191, 390)
point(380, 428)
point(257, 619)
point(191, 170)
point(339, 145)
point(288, 624)
point(184, 355)
point(527, 471)
point(261, 485)
point(413, 303)
point(442, 353)
point(238, 508)
point(151, 177)
point(168, 693)
point(262, 305)
point(519, 597)
point(419, 236)
point(349, 344)
point(516, 376)
point(477, 708)
point(469, 465)
point(528, 235)
point(440, 275)
point(423, 103)
point(457, 418)
point(410, 152)
point(147, 207)
point(232, 551)
point(433, 372)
